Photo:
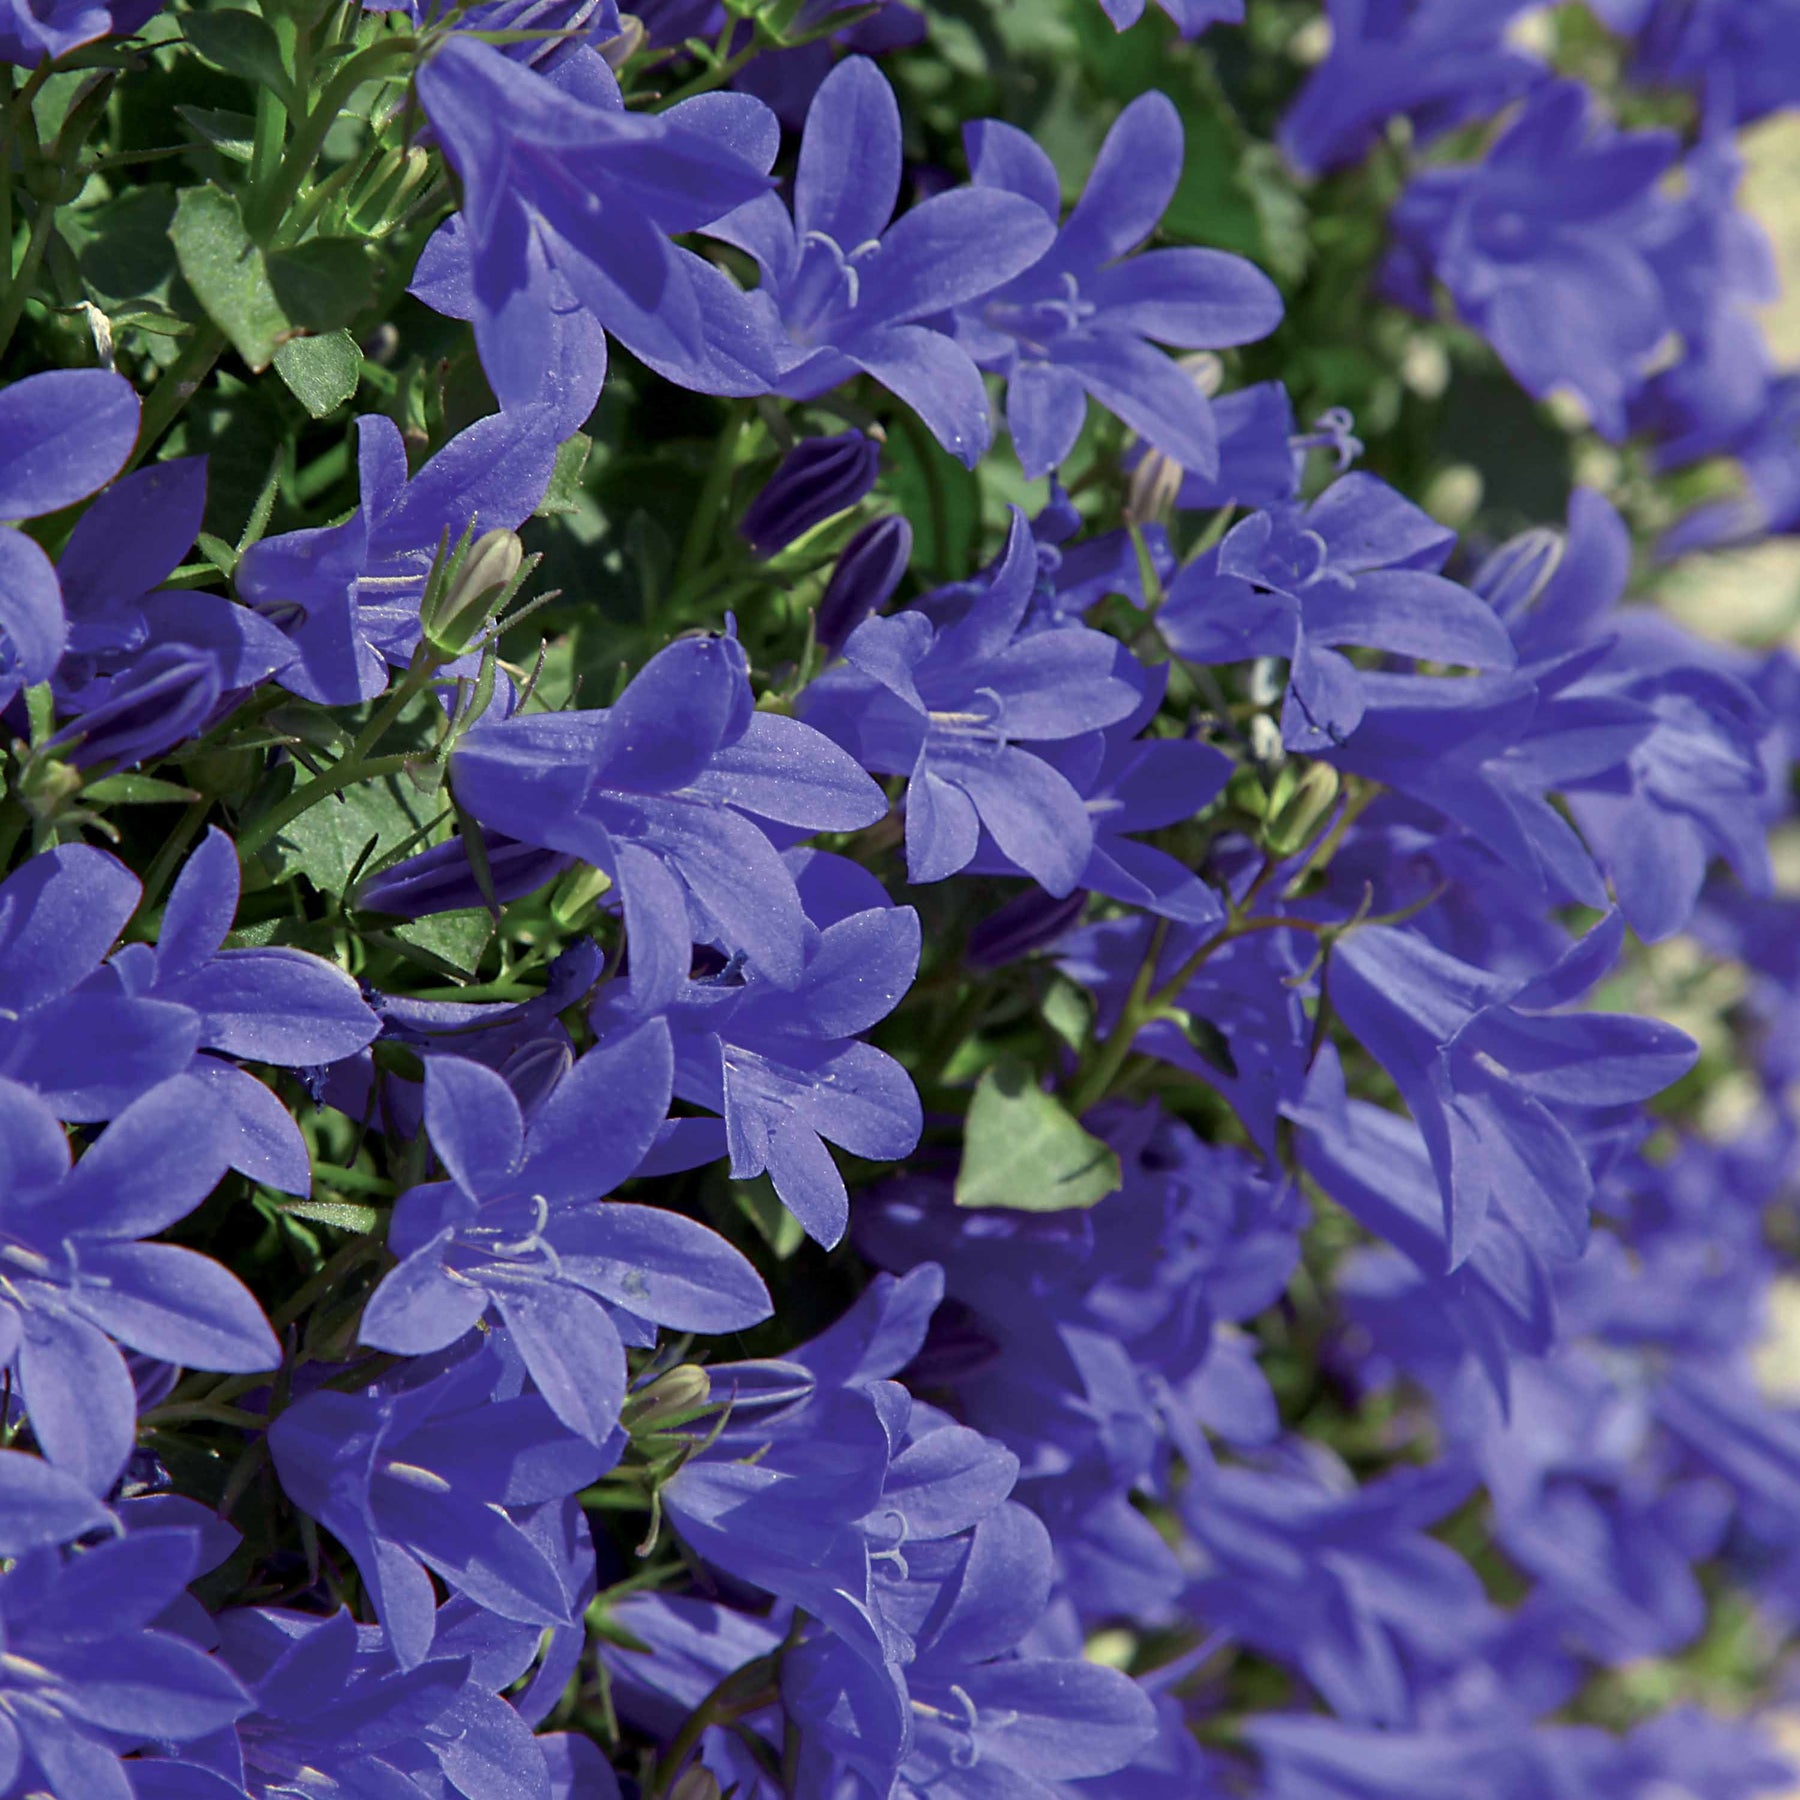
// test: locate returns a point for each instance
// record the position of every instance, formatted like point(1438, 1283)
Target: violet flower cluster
point(804, 994)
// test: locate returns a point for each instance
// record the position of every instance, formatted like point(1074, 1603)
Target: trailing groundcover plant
point(890, 901)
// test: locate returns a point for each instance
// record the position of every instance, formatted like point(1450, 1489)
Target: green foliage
point(226, 269)
point(1022, 1149)
point(320, 372)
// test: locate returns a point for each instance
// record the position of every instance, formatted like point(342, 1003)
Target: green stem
point(704, 524)
point(1327, 846)
point(356, 764)
point(270, 130)
point(12, 307)
point(715, 77)
point(333, 781)
point(175, 387)
point(1091, 1086)
point(183, 1411)
point(271, 203)
point(162, 866)
point(926, 450)
point(323, 1279)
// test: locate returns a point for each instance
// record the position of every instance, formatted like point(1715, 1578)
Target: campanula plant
point(717, 1083)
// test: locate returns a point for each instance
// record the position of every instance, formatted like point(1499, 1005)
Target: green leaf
point(225, 270)
point(229, 133)
point(137, 790)
point(345, 1215)
point(324, 843)
point(215, 549)
point(564, 493)
point(941, 499)
point(240, 43)
point(122, 246)
point(324, 283)
point(321, 372)
point(777, 1227)
point(1023, 1150)
point(457, 938)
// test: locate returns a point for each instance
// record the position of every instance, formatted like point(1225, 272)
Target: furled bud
point(817, 479)
point(443, 878)
point(165, 697)
point(696, 1783)
point(1296, 815)
point(863, 582)
point(389, 188)
point(476, 588)
point(670, 1397)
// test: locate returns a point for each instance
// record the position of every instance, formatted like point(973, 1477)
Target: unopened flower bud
point(47, 786)
point(863, 582)
point(577, 891)
point(668, 1397)
point(817, 479)
point(443, 878)
point(475, 590)
point(389, 188)
point(1301, 811)
point(695, 1784)
point(165, 697)
point(1030, 922)
point(633, 35)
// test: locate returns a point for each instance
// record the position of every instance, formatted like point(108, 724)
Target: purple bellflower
point(1191, 16)
point(1440, 62)
point(1341, 1582)
point(1095, 1341)
point(1746, 52)
point(1084, 318)
point(332, 1701)
point(516, 1231)
point(1358, 565)
point(89, 1676)
point(63, 435)
point(1494, 1308)
point(692, 1645)
point(122, 549)
point(78, 1278)
point(568, 204)
point(785, 1067)
point(1583, 1502)
point(913, 1673)
point(787, 80)
point(523, 1041)
point(265, 1005)
point(1260, 463)
point(844, 289)
point(812, 1493)
point(1495, 1079)
point(348, 595)
point(985, 1715)
point(35, 34)
point(1540, 245)
point(1717, 269)
point(1131, 784)
point(661, 792)
point(72, 1033)
point(1678, 776)
point(952, 707)
point(1240, 1025)
point(411, 1477)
